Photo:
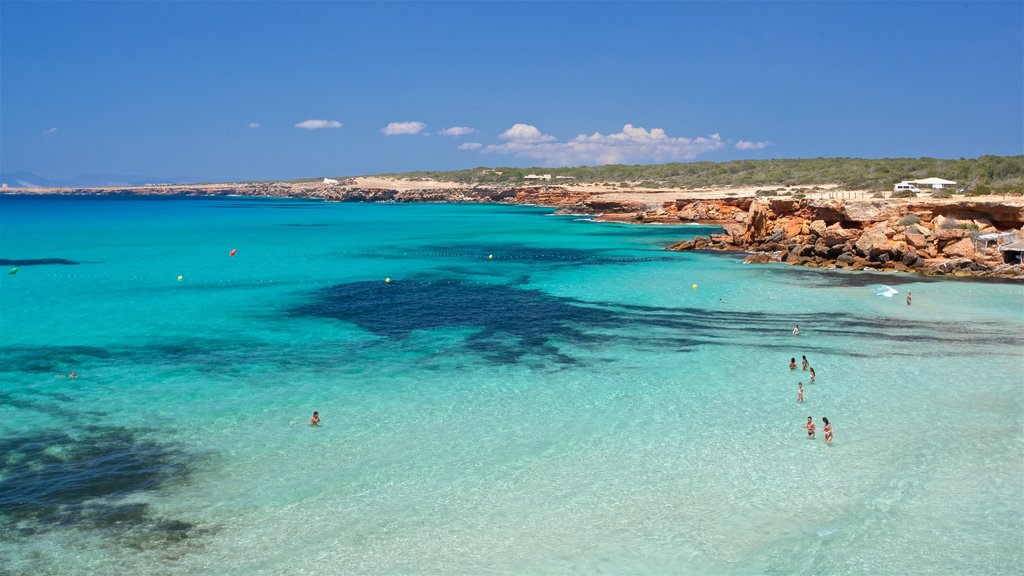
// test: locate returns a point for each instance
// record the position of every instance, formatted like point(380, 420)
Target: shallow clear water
point(570, 406)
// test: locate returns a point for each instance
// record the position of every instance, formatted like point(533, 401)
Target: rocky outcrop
point(931, 239)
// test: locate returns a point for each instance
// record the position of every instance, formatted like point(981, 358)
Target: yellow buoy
point(490, 256)
point(179, 278)
point(694, 286)
point(387, 280)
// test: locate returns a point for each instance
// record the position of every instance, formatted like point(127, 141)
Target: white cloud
point(401, 128)
point(632, 145)
point(748, 145)
point(254, 124)
point(525, 133)
point(471, 146)
point(318, 124)
point(50, 130)
point(456, 131)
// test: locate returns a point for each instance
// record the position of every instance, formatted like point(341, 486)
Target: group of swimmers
point(800, 395)
point(810, 429)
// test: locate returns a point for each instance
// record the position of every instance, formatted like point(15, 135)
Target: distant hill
point(22, 179)
point(997, 172)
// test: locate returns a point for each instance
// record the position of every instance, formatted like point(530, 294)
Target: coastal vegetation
point(984, 175)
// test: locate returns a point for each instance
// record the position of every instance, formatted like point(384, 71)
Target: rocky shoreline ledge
point(926, 236)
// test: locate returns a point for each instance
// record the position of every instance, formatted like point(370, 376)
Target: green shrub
point(878, 195)
point(763, 193)
point(799, 196)
point(949, 224)
point(904, 194)
point(908, 220)
point(968, 226)
point(979, 190)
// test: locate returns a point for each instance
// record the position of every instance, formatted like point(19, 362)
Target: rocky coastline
point(925, 236)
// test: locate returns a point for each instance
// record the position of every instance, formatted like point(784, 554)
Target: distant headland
point(958, 217)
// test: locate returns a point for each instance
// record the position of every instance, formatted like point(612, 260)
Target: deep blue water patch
point(37, 262)
point(48, 358)
point(47, 404)
point(550, 257)
point(512, 323)
point(53, 478)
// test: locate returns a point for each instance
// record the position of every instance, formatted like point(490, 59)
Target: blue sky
point(226, 90)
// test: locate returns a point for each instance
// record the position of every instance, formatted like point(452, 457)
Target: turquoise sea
point(570, 406)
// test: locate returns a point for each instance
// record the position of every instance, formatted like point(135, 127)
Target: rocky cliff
point(934, 238)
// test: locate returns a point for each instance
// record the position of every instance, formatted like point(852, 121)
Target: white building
point(935, 183)
point(537, 177)
point(330, 181)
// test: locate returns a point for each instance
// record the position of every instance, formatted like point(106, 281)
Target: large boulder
point(836, 234)
point(794, 227)
point(822, 249)
point(734, 229)
point(757, 258)
point(783, 205)
point(817, 228)
point(758, 217)
point(916, 236)
point(872, 243)
point(963, 248)
point(951, 233)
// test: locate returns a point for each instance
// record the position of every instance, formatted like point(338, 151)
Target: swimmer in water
point(800, 392)
point(909, 298)
point(315, 420)
point(792, 363)
point(828, 431)
point(805, 363)
point(73, 374)
point(812, 376)
point(796, 330)
point(810, 428)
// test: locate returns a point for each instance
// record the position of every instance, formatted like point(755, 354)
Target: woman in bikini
point(800, 392)
point(828, 431)
point(812, 376)
point(805, 363)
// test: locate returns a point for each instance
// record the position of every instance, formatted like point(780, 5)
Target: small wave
point(887, 291)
